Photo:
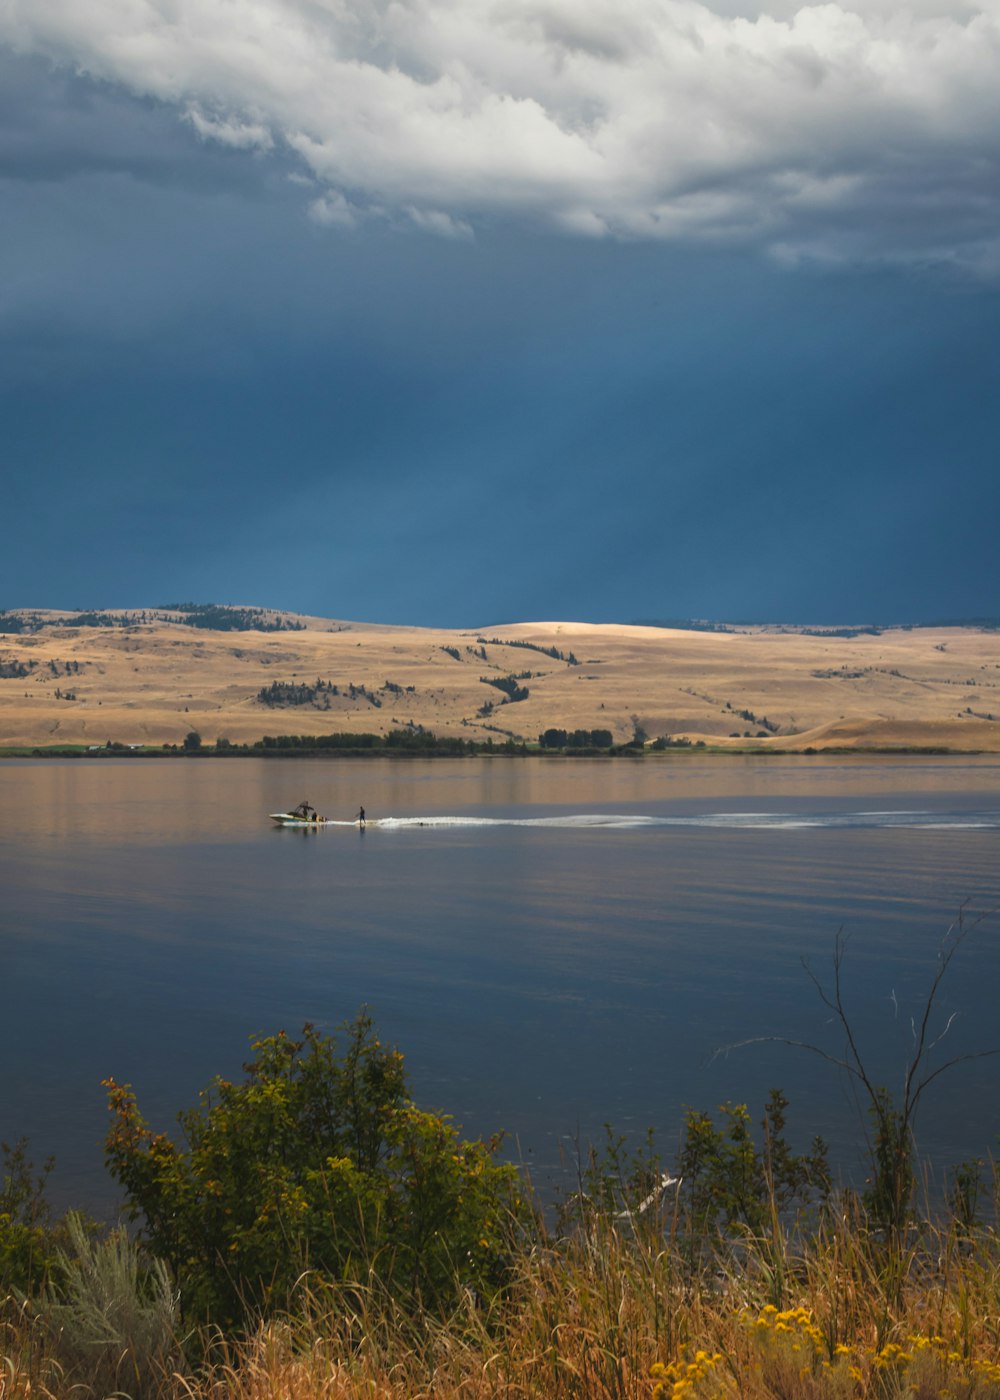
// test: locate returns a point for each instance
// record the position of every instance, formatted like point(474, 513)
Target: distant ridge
point(689, 624)
point(874, 629)
point(233, 617)
point(216, 617)
point(244, 674)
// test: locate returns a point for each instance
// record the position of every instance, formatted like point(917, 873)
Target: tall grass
point(615, 1309)
point(615, 1316)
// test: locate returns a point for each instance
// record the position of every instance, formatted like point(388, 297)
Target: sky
point(459, 312)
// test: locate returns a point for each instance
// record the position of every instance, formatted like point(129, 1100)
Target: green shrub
point(319, 1162)
point(27, 1246)
point(729, 1181)
point(725, 1184)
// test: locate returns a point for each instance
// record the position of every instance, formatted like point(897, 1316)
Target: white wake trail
point(723, 821)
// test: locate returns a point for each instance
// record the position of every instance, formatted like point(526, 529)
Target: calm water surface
point(553, 944)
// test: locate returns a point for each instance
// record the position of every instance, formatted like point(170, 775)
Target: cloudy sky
point(467, 311)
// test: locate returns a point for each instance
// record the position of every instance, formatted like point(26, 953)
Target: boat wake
point(724, 821)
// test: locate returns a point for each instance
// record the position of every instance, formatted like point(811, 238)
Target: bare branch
point(890, 1149)
point(950, 1064)
point(785, 1040)
point(953, 939)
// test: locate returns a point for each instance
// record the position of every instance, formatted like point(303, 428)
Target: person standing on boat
point(305, 810)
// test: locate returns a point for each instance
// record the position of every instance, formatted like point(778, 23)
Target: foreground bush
point(318, 1162)
point(820, 1305)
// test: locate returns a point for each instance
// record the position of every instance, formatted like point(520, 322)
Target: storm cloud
point(819, 133)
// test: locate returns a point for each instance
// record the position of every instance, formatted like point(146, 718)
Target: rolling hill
point(150, 676)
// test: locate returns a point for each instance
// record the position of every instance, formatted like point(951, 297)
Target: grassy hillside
point(150, 677)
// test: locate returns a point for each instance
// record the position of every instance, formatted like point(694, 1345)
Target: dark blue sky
point(232, 372)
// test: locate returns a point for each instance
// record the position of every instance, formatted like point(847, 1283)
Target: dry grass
point(152, 683)
point(611, 1318)
point(606, 1315)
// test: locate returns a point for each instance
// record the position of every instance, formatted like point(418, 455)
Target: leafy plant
point(618, 1182)
point(27, 1247)
point(317, 1161)
point(723, 1182)
point(729, 1181)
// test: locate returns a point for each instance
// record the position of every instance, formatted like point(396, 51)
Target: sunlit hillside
point(153, 676)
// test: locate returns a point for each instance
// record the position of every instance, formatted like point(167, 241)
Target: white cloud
point(245, 135)
point(334, 209)
point(873, 133)
point(437, 221)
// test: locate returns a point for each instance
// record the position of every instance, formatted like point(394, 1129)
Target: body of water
point(554, 944)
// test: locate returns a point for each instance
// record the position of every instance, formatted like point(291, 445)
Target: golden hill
point(152, 677)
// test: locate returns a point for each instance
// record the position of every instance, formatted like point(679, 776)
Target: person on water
point(361, 817)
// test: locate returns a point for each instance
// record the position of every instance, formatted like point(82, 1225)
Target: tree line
point(576, 739)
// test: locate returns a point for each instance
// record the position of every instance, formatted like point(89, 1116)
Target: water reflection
point(165, 800)
point(542, 978)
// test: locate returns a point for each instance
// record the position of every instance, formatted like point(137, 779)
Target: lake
point(553, 944)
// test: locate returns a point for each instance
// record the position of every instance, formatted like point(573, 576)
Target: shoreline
point(676, 753)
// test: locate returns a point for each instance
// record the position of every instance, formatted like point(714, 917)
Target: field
point(151, 678)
